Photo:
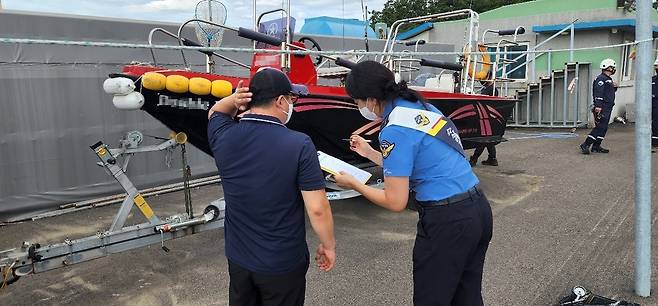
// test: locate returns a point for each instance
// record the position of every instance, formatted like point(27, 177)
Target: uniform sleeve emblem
point(387, 148)
point(422, 120)
point(600, 83)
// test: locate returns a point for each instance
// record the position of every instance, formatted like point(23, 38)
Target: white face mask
point(367, 113)
point(289, 113)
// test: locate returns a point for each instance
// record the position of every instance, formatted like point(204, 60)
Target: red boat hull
point(328, 115)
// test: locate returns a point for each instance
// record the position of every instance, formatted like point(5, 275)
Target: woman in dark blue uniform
point(421, 151)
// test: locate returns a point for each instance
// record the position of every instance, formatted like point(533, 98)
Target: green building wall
point(558, 59)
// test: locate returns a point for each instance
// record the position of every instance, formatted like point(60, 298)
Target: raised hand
point(241, 97)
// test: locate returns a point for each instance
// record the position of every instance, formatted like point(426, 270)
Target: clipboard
point(334, 166)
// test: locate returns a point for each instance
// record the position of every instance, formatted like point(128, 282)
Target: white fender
point(119, 86)
point(131, 101)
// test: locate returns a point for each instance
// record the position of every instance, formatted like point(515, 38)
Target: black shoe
point(473, 161)
point(584, 149)
point(600, 150)
point(490, 162)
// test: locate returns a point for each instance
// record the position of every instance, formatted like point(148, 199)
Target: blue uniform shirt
point(263, 166)
point(435, 170)
point(604, 92)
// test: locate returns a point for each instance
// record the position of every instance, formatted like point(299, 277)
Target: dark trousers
point(491, 150)
point(448, 256)
point(601, 121)
point(247, 288)
point(654, 126)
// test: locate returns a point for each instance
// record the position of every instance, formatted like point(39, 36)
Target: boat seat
point(333, 72)
point(444, 82)
point(338, 71)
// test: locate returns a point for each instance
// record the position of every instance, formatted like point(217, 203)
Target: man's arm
point(322, 222)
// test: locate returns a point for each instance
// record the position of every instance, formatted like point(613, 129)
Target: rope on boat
point(8, 40)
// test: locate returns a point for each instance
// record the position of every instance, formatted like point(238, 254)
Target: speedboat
point(180, 98)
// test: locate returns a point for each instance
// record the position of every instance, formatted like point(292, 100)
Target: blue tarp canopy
point(331, 26)
point(623, 24)
point(415, 31)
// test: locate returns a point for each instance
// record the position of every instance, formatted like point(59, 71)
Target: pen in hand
point(347, 139)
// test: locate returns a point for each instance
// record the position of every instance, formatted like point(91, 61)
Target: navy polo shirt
point(264, 166)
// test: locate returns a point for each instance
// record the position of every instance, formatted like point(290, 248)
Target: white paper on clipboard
point(334, 166)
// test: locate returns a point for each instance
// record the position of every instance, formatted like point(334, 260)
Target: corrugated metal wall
point(52, 108)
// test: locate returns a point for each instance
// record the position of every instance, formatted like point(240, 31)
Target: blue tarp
point(415, 31)
point(331, 26)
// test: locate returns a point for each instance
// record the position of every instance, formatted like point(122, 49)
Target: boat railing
point(186, 42)
point(505, 43)
point(534, 55)
point(467, 83)
point(285, 58)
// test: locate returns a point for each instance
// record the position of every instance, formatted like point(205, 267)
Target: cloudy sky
point(239, 11)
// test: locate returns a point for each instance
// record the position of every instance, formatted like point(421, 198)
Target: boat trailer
point(32, 258)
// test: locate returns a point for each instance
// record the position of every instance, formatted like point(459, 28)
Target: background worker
point(421, 151)
point(603, 93)
point(269, 174)
point(488, 89)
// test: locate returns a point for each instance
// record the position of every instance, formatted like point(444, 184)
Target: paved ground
point(561, 219)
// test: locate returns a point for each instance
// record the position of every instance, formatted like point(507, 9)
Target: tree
point(400, 9)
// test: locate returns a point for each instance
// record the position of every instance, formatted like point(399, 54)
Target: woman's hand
point(345, 180)
point(359, 145)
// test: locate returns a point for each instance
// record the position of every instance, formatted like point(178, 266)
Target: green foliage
point(401, 9)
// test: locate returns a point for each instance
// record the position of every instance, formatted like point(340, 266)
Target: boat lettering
point(189, 103)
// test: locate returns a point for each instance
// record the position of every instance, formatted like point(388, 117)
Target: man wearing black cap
point(269, 174)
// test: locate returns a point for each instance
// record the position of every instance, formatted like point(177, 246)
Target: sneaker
point(584, 149)
point(490, 162)
point(473, 161)
point(600, 150)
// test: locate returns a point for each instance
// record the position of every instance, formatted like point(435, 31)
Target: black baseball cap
point(270, 83)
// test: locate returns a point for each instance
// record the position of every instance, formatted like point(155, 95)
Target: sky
point(239, 11)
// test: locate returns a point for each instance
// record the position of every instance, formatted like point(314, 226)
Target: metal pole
point(255, 22)
point(571, 43)
point(643, 33)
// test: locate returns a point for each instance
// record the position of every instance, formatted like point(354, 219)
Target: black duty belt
point(473, 192)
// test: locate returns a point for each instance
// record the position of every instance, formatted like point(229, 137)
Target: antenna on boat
point(207, 34)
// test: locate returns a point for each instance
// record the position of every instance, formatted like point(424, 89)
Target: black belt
point(473, 192)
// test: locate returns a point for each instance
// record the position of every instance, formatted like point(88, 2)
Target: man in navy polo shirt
point(269, 174)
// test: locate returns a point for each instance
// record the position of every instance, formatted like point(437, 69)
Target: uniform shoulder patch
point(422, 120)
point(600, 83)
point(387, 148)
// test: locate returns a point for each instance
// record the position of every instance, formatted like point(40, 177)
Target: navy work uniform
point(263, 166)
point(455, 222)
point(488, 89)
point(604, 97)
point(654, 111)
